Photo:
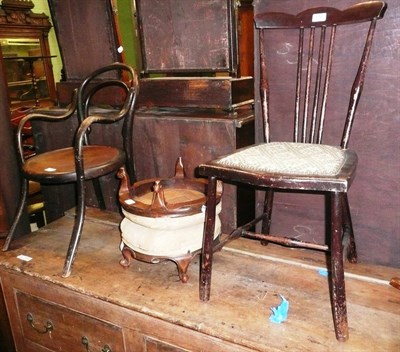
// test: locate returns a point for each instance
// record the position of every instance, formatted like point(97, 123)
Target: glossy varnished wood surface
point(240, 305)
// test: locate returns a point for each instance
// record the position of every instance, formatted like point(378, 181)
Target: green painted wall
point(129, 33)
point(41, 6)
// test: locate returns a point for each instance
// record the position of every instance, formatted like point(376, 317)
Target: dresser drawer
point(58, 328)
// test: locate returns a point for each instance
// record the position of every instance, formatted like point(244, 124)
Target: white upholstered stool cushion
point(288, 158)
point(165, 236)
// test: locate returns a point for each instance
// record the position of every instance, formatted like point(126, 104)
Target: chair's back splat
point(317, 34)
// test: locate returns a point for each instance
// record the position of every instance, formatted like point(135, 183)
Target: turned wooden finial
point(125, 186)
point(179, 168)
point(158, 200)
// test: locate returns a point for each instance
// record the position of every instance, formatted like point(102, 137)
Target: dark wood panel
point(224, 93)
point(81, 27)
point(187, 36)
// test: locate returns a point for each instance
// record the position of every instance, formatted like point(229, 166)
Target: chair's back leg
point(208, 237)
point(99, 193)
point(77, 230)
point(18, 215)
point(266, 223)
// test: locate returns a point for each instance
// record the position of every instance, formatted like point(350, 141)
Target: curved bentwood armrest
point(51, 116)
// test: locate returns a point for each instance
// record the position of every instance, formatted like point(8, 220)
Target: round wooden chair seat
point(59, 165)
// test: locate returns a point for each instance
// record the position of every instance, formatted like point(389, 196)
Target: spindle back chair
point(304, 163)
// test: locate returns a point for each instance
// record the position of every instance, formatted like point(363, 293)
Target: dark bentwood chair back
point(303, 164)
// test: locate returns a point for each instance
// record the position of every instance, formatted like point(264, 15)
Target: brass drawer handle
point(47, 328)
point(85, 342)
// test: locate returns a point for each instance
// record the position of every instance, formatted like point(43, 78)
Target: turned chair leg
point(208, 237)
point(20, 210)
point(338, 293)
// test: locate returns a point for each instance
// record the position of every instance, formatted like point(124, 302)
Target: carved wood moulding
point(19, 12)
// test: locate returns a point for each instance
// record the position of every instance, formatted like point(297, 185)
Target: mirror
point(25, 70)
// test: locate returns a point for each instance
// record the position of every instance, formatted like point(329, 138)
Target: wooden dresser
point(103, 306)
point(46, 317)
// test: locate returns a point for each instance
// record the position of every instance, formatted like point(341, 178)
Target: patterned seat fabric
point(288, 158)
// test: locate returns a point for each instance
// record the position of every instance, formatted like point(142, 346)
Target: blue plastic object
point(323, 272)
point(279, 313)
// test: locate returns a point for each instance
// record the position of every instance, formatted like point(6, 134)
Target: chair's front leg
point(208, 236)
point(80, 207)
point(77, 230)
point(338, 293)
point(348, 232)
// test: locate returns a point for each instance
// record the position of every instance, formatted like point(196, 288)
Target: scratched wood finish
point(173, 39)
point(153, 308)
point(374, 208)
